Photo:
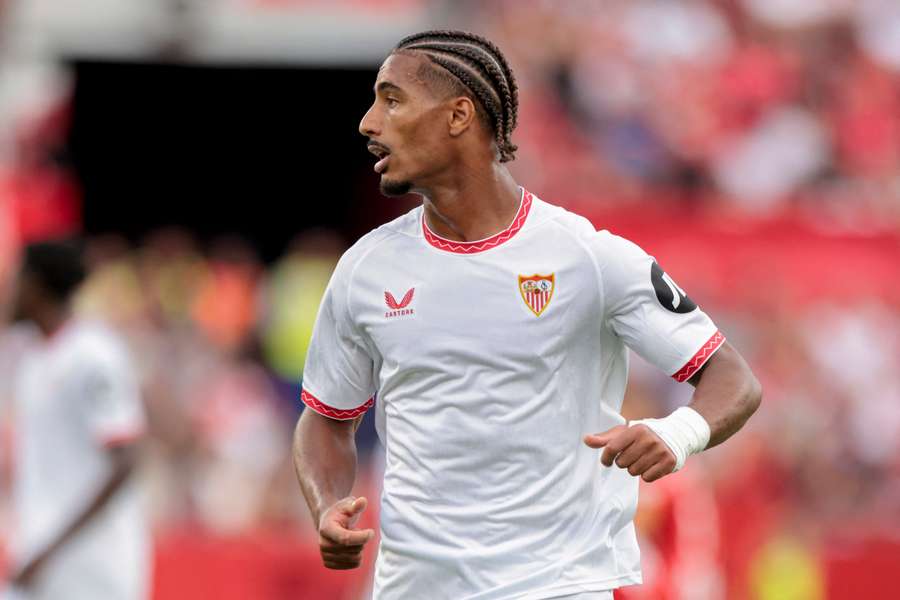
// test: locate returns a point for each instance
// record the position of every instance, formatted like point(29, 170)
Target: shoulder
point(601, 244)
point(614, 257)
point(545, 214)
point(397, 232)
point(402, 228)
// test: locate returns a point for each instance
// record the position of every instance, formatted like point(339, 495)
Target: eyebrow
point(387, 86)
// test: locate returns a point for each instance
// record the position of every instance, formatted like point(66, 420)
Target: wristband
point(685, 432)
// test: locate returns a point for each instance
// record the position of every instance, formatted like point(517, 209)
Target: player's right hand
point(340, 544)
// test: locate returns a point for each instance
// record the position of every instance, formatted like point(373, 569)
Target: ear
point(462, 114)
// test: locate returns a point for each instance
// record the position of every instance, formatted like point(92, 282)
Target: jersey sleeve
point(338, 378)
point(650, 312)
point(115, 413)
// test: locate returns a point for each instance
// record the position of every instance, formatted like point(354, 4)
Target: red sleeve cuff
point(331, 412)
point(699, 359)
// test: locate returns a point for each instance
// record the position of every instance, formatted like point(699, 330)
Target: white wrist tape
point(685, 432)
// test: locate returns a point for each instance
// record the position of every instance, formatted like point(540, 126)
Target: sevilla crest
point(537, 290)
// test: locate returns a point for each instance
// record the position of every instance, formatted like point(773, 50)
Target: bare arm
point(324, 460)
point(124, 459)
point(324, 453)
point(727, 394)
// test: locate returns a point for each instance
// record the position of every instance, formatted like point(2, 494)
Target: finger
point(617, 445)
point(660, 469)
point(338, 566)
point(338, 556)
point(599, 440)
point(642, 464)
point(341, 565)
point(326, 545)
point(346, 537)
point(639, 448)
point(609, 455)
point(356, 507)
point(341, 550)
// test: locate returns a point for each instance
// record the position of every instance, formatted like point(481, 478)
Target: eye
point(392, 102)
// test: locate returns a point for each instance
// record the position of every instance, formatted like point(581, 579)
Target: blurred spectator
point(36, 184)
point(79, 528)
point(225, 305)
point(758, 102)
point(784, 151)
point(294, 291)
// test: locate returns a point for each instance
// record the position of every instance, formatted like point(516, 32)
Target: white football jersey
point(75, 396)
point(490, 361)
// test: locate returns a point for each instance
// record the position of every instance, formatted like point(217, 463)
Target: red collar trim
point(485, 244)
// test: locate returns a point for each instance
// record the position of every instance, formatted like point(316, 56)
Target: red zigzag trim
point(331, 412)
point(699, 359)
point(480, 246)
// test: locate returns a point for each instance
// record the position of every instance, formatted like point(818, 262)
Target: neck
point(472, 204)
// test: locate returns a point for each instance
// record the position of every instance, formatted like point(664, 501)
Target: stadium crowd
point(759, 105)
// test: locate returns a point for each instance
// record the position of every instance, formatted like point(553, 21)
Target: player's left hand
point(635, 448)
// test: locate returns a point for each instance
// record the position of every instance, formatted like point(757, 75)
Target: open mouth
point(382, 153)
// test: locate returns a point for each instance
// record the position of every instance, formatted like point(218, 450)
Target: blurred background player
point(79, 532)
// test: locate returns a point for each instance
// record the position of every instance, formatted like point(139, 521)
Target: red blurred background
point(213, 164)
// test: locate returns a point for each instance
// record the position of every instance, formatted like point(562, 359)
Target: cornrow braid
point(468, 73)
point(463, 36)
point(481, 68)
point(490, 78)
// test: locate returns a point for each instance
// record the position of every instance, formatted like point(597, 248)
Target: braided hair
point(476, 68)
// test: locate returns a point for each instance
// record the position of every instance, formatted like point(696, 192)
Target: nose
point(369, 125)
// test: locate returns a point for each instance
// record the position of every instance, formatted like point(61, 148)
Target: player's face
point(406, 126)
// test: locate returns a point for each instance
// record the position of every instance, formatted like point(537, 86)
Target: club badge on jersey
point(537, 291)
